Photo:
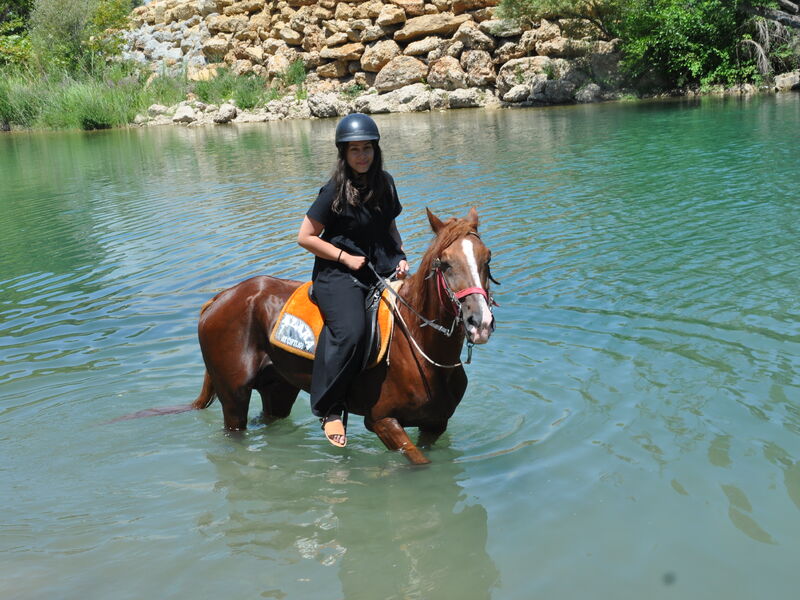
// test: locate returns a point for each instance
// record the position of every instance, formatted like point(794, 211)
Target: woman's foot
point(333, 427)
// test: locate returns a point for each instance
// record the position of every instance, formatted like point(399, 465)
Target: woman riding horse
point(352, 222)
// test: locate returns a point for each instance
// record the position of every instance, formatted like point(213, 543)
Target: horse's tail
point(207, 392)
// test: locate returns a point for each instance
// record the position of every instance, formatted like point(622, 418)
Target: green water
point(632, 430)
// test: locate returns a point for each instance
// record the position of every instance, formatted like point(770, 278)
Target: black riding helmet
point(357, 127)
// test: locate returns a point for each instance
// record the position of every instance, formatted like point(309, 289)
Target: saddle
point(300, 322)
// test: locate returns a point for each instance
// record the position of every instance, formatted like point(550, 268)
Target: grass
point(112, 98)
point(66, 102)
point(248, 90)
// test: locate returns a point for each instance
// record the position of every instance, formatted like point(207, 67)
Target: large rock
point(243, 7)
point(369, 10)
point(419, 27)
point(412, 8)
point(787, 81)
point(390, 15)
point(473, 38)
point(561, 47)
point(411, 98)
point(255, 54)
point(507, 51)
point(447, 74)
point(327, 105)
point(313, 38)
point(156, 110)
point(225, 114)
point(545, 31)
point(223, 24)
point(466, 98)
point(552, 91)
point(184, 114)
point(518, 93)
point(206, 7)
point(372, 104)
point(424, 46)
point(215, 48)
point(182, 12)
point(277, 64)
point(502, 28)
point(336, 39)
point(242, 67)
point(333, 70)
point(399, 72)
point(521, 70)
point(377, 56)
point(290, 36)
point(478, 66)
point(344, 12)
point(346, 52)
point(589, 93)
point(460, 6)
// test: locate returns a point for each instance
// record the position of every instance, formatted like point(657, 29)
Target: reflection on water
point(388, 532)
point(631, 431)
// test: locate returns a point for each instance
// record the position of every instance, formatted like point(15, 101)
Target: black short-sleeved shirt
point(357, 230)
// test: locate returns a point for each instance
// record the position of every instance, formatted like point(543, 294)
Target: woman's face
point(360, 156)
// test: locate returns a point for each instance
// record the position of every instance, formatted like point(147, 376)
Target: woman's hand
point(402, 269)
point(354, 263)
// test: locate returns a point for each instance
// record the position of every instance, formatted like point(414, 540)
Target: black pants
point(340, 350)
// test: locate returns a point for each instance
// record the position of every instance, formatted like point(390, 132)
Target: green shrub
point(166, 90)
point(15, 45)
point(604, 14)
point(688, 42)
point(295, 74)
point(248, 90)
point(71, 34)
point(353, 91)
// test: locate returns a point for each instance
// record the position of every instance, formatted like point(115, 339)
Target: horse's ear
point(436, 223)
point(472, 217)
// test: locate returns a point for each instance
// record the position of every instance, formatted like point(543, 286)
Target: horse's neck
point(424, 298)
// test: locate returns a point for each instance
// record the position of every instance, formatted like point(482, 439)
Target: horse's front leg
point(395, 437)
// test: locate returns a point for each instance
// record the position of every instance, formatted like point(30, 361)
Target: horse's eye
point(444, 265)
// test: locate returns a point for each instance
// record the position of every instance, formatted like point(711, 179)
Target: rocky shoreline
point(371, 56)
point(375, 56)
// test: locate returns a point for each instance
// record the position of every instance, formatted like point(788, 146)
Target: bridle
point(449, 299)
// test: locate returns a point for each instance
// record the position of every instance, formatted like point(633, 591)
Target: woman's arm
point(308, 238)
point(402, 266)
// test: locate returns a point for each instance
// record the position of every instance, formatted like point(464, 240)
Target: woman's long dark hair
point(374, 192)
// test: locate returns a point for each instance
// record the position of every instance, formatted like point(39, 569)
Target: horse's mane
point(453, 229)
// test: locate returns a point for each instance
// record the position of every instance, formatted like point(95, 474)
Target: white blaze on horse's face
point(478, 318)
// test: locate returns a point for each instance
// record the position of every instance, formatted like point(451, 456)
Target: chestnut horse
point(421, 383)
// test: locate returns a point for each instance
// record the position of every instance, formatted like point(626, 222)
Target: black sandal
point(336, 432)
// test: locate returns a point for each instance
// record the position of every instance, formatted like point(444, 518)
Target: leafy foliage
point(15, 47)
point(688, 42)
point(681, 41)
point(71, 34)
point(604, 14)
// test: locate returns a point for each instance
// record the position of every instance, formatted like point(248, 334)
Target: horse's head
point(460, 265)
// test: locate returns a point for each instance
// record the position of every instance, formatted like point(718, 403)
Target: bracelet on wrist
point(339, 258)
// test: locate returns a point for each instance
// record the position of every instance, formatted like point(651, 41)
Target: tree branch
point(790, 6)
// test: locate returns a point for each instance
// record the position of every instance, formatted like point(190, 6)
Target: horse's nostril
point(471, 321)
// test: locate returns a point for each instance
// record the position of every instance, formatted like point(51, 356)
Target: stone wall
point(403, 54)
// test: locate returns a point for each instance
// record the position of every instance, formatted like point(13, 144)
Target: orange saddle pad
point(300, 322)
